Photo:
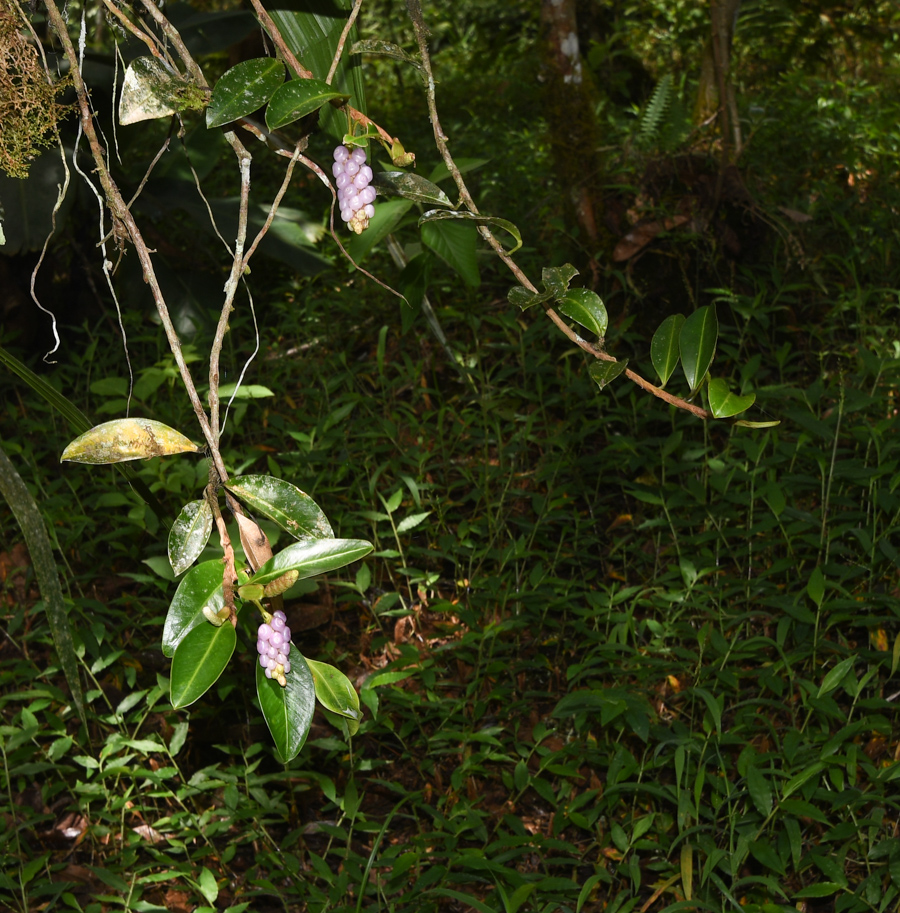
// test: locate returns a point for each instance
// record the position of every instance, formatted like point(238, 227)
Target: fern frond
point(655, 110)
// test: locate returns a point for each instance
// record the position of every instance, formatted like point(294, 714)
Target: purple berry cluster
point(355, 197)
point(273, 645)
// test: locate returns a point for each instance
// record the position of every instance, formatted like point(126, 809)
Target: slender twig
point(121, 213)
point(351, 21)
point(172, 34)
point(414, 8)
point(131, 27)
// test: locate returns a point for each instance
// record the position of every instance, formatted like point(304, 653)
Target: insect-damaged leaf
point(127, 439)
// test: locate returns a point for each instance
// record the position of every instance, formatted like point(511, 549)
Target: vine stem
point(414, 8)
point(351, 21)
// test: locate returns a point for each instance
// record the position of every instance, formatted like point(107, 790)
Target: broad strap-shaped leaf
point(665, 348)
point(199, 588)
point(316, 556)
point(243, 89)
point(698, 345)
point(435, 215)
point(586, 308)
point(411, 187)
point(604, 372)
point(127, 439)
point(723, 403)
point(297, 98)
point(760, 790)
point(199, 660)
point(189, 535)
point(457, 245)
point(285, 504)
point(334, 692)
point(289, 710)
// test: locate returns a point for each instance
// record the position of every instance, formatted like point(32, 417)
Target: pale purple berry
point(350, 167)
point(272, 646)
point(358, 155)
point(338, 169)
point(341, 154)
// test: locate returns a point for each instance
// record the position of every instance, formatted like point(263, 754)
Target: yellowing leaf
point(127, 439)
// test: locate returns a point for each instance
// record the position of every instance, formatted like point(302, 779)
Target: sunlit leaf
point(411, 187)
point(199, 660)
point(316, 556)
point(584, 307)
point(723, 403)
point(200, 587)
point(288, 710)
point(244, 89)
point(437, 215)
point(665, 348)
point(189, 535)
point(297, 98)
point(603, 372)
point(698, 345)
point(127, 439)
point(292, 509)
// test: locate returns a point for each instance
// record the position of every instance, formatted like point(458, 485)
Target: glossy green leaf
point(244, 89)
point(297, 98)
point(760, 790)
point(665, 347)
point(189, 535)
point(698, 345)
point(334, 691)
point(836, 675)
point(411, 187)
point(436, 215)
point(199, 660)
point(603, 372)
point(723, 403)
point(315, 556)
point(584, 307)
point(312, 31)
point(288, 710)
point(456, 244)
point(292, 509)
point(200, 587)
point(127, 439)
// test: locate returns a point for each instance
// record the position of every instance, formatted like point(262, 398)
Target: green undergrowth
point(612, 658)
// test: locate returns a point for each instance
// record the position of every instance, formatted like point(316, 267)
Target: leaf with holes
point(244, 89)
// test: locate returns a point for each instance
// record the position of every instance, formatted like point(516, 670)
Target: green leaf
point(199, 588)
point(149, 91)
point(836, 675)
point(665, 347)
point(312, 31)
point(386, 218)
point(297, 98)
point(822, 889)
point(760, 790)
point(698, 345)
point(764, 853)
point(723, 403)
point(317, 556)
point(455, 244)
point(411, 187)
point(586, 308)
point(799, 779)
point(525, 298)
point(603, 372)
point(745, 424)
point(292, 509)
point(436, 215)
point(199, 660)
point(189, 535)
point(289, 710)
point(556, 279)
point(375, 47)
point(815, 587)
point(127, 439)
point(335, 693)
point(244, 89)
